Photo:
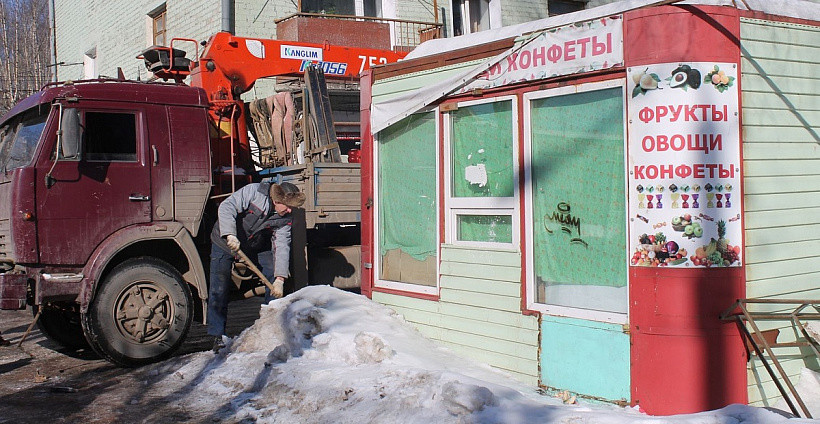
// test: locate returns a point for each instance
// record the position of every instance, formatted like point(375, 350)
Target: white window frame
point(556, 310)
point(455, 206)
point(379, 282)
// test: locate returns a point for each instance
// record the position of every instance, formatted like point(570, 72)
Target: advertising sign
point(684, 165)
point(580, 47)
point(301, 53)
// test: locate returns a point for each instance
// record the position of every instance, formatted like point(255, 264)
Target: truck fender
point(125, 237)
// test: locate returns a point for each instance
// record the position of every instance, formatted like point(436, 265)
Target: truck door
point(105, 189)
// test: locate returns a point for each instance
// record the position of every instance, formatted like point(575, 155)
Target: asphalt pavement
point(42, 382)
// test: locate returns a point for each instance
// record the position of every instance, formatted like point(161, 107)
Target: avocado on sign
point(301, 53)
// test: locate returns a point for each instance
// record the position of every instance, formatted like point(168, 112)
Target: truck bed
point(332, 190)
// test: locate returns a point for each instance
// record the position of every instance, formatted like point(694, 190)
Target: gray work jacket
point(249, 215)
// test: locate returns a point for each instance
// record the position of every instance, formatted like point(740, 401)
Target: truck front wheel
point(140, 314)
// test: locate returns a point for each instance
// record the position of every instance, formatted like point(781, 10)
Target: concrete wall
point(517, 12)
point(120, 30)
point(781, 162)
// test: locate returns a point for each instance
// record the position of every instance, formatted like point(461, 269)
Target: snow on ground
point(322, 355)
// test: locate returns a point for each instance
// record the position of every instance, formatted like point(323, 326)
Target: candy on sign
point(581, 47)
point(684, 172)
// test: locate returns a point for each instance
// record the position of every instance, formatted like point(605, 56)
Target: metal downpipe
point(228, 18)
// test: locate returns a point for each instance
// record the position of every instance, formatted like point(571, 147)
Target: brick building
point(94, 37)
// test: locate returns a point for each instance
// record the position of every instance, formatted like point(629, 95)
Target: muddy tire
point(141, 313)
point(61, 323)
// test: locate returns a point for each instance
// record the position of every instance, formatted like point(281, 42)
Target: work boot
point(218, 344)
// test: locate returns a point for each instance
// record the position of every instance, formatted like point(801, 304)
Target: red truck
point(106, 188)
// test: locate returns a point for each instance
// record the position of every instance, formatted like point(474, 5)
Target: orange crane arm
point(230, 65)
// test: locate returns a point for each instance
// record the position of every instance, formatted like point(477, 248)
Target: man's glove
point(233, 242)
point(278, 288)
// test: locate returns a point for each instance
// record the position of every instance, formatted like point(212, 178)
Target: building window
point(481, 180)
point(575, 174)
point(159, 26)
point(407, 205)
point(470, 16)
point(373, 8)
point(330, 7)
point(560, 7)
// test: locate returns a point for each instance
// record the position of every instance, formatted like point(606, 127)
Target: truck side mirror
point(70, 143)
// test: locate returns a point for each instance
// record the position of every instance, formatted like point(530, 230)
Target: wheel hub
point(143, 312)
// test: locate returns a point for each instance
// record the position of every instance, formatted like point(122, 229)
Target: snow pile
point(322, 355)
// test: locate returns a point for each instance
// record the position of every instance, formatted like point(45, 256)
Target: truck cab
point(103, 187)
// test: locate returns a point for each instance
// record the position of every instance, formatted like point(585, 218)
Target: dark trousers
point(220, 284)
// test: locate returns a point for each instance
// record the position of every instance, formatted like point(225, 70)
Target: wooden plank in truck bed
point(332, 190)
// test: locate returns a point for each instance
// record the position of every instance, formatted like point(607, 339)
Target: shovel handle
point(255, 270)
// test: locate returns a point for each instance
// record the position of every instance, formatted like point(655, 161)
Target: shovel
point(277, 290)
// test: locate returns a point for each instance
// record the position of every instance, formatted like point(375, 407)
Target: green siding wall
point(780, 78)
point(479, 312)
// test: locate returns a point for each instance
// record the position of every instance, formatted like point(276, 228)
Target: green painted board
point(791, 366)
point(520, 366)
point(792, 286)
point(784, 85)
point(477, 313)
point(517, 350)
point(480, 314)
point(778, 33)
point(783, 268)
point(501, 288)
point(488, 272)
point(788, 217)
point(768, 50)
point(780, 167)
point(450, 253)
point(773, 136)
point(487, 330)
point(784, 184)
point(484, 300)
point(782, 117)
point(766, 394)
point(768, 100)
point(397, 302)
point(776, 68)
point(783, 251)
point(757, 236)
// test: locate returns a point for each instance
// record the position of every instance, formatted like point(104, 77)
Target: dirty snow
point(322, 355)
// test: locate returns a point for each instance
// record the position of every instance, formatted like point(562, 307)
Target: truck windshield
point(19, 137)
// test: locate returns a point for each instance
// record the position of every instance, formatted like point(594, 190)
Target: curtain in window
point(579, 234)
point(407, 200)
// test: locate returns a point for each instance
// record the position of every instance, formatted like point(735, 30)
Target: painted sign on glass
point(684, 165)
point(580, 47)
